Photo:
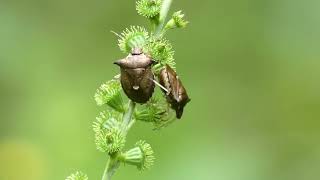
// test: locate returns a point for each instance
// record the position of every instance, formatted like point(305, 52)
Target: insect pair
point(138, 83)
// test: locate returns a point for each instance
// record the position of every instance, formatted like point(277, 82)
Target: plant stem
point(127, 117)
point(111, 167)
point(163, 15)
point(113, 162)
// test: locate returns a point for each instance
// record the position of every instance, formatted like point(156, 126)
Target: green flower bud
point(150, 112)
point(77, 176)
point(134, 37)
point(155, 111)
point(148, 8)
point(111, 141)
point(177, 21)
point(110, 93)
point(160, 51)
point(108, 135)
point(140, 156)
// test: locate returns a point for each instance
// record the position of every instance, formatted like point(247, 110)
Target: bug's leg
point(158, 84)
point(116, 77)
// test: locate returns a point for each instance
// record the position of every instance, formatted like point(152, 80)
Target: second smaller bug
point(175, 92)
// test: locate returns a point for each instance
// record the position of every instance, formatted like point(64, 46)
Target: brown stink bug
point(136, 76)
point(176, 94)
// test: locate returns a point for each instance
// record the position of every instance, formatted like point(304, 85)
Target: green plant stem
point(163, 15)
point(113, 162)
point(111, 167)
point(127, 117)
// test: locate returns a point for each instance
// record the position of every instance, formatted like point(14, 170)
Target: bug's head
point(136, 51)
point(135, 60)
point(179, 107)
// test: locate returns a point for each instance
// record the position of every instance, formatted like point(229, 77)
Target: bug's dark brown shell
point(136, 77)
point(177, 95)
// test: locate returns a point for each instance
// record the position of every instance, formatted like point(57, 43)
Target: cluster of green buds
point(77, 176)
point(113, 123)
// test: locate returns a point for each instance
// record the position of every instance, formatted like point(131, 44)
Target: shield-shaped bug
point(175, 92)
point(136, 76)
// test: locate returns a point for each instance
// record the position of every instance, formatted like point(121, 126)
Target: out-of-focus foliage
point(251, 68)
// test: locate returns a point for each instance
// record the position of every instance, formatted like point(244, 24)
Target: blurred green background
point(251, 68)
